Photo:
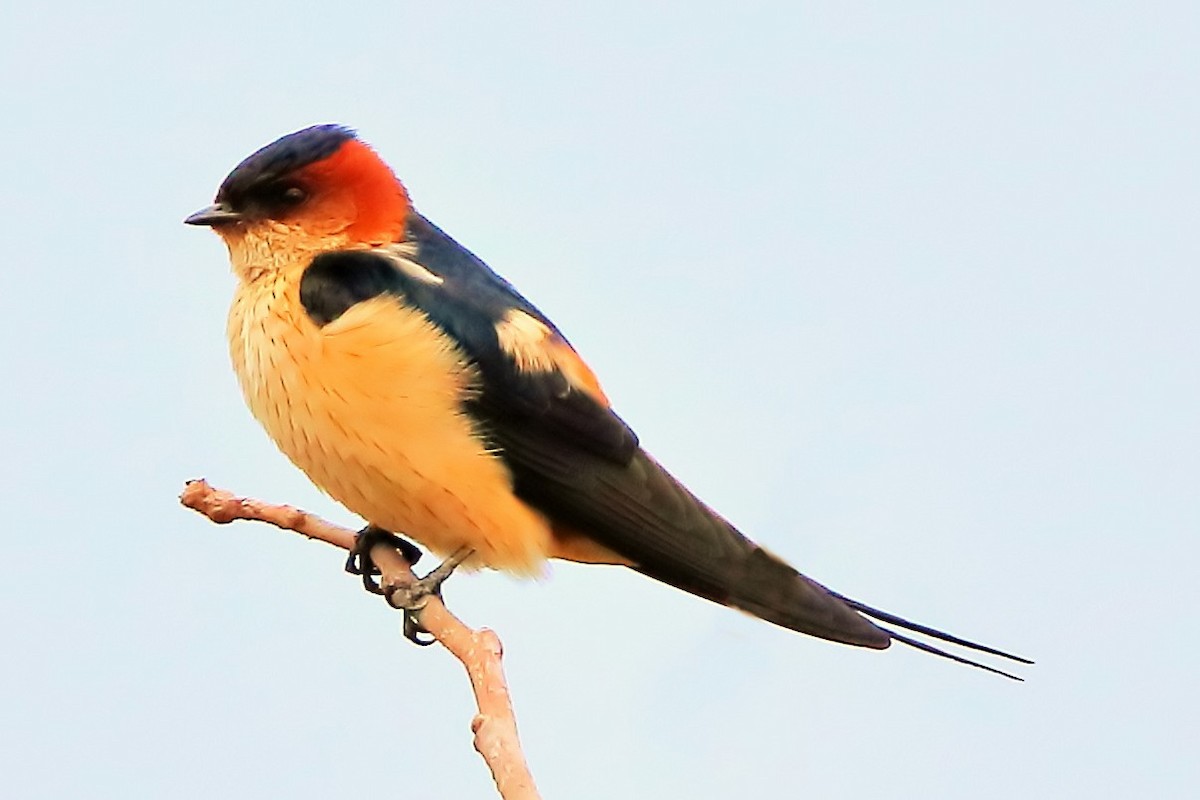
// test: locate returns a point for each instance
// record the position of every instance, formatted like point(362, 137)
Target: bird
point(422, 391)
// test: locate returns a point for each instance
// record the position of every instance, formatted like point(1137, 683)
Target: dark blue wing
point(571, 456)
point(531, 378)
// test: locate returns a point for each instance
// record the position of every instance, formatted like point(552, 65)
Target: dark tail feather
point(638, 510)
point(916, 627)
point(769, 588)
point(928, 648)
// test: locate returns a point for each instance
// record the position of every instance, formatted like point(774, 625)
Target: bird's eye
point(294, 195)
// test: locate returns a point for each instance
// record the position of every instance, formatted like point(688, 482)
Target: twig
point(480, 651)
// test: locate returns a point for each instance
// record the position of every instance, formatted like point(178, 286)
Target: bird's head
point(314, 190)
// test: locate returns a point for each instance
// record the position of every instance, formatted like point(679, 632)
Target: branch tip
point(495, 720)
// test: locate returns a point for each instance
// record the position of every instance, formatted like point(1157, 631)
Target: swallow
point(420, 390)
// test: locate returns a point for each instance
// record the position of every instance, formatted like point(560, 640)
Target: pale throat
point(276, 248)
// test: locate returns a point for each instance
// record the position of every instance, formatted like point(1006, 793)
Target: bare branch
point(480, 651)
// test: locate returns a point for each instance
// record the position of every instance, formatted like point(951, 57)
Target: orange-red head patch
point(324, 180)
point(354, 185)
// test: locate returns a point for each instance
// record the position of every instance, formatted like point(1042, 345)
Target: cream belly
point(370, 408)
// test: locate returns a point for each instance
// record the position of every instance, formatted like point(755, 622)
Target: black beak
point(214, 215)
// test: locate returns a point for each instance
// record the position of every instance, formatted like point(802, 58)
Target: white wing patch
point(524, 339)
point(534, 347)
point(402, 254)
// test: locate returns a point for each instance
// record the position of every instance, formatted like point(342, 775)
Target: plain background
point(908, 291)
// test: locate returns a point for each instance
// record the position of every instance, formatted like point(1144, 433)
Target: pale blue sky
point(908, 291)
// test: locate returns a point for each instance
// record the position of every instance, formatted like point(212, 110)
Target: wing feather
point(570, 456)
point(529, 371)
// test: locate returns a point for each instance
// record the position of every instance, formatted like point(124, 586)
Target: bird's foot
point(359, 561)
point(412, 596)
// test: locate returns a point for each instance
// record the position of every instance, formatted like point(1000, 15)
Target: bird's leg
point(411, 596)
point(359, 561)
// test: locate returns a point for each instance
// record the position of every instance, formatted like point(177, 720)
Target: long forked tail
point(934, 633)
point(639, 511)
point(752, 579)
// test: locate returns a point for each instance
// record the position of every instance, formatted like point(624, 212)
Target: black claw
point(411, 553)
point(411, 597)
point(411, 600)
point(413, 630)
point(359, 561)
